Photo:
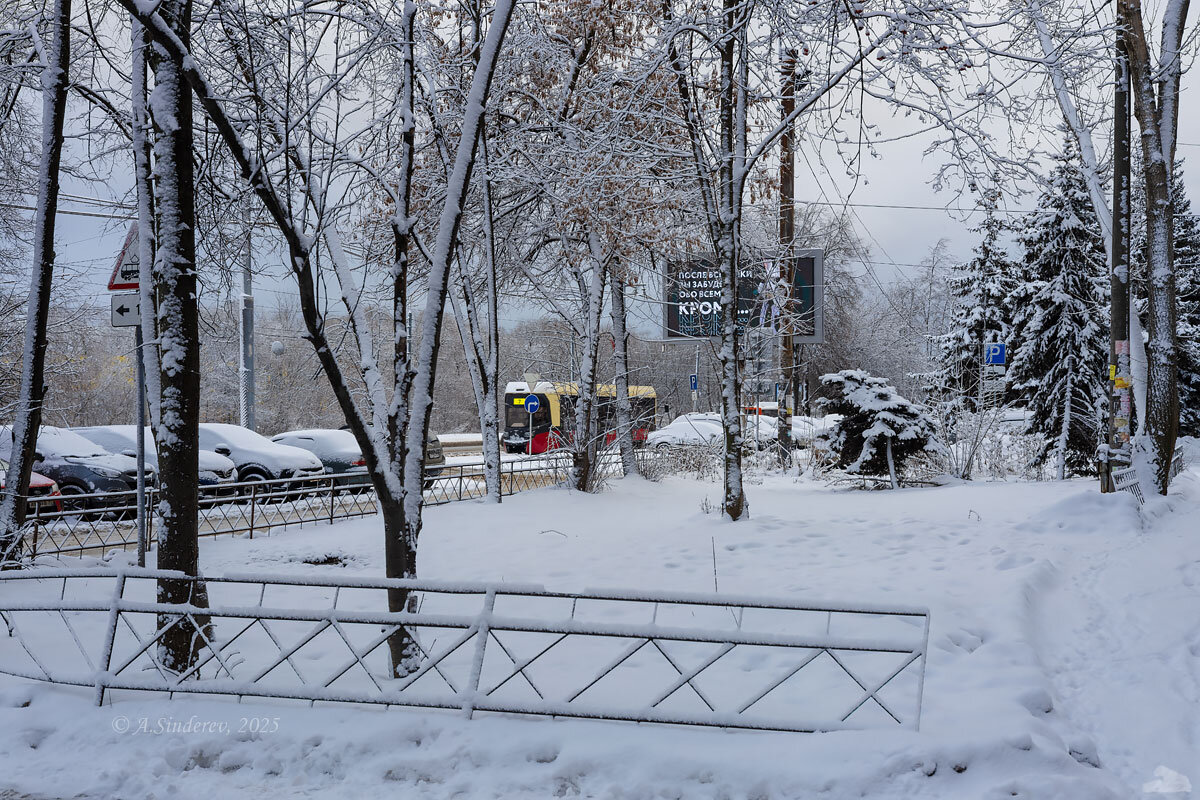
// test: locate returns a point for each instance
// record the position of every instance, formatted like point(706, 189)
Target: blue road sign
point(532, 404)
point(694, 382)
point(994, 353)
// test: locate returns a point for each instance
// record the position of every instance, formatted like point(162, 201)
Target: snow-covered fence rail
point(689, 659)
point(96, 523)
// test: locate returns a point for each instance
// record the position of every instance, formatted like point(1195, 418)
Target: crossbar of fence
point(639, 656)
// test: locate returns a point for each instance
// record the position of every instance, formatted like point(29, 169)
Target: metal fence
point(687, 659)
point(1126, 480)
point(93, 524)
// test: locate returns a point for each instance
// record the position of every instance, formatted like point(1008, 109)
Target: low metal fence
point(687, 659)
point(93, 524)
point(1126, 479)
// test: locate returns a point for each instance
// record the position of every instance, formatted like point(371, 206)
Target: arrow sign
point(126, 310)
point(532, 404)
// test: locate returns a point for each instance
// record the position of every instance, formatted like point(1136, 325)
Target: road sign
point(125, 271)
point(694, 382)
point(126, 310)
point(994, 353)
point(532, 404)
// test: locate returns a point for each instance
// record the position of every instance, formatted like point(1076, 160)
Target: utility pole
point(246, 355)
point(787, 261)
point(1120, 402)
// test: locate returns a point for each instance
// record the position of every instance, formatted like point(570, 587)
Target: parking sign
point(994, 353)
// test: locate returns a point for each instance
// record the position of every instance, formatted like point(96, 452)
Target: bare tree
point(55, 58)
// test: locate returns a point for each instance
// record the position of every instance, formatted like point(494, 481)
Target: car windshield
point(60, 442)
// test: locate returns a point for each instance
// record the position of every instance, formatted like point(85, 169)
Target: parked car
point(338, 450)
point(335, 447)
point(701, 428)
point(80, 466)
point(258, 458)
point(216, 471)
point(39, 485)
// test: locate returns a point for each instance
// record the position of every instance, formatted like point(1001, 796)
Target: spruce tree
point(1187, 267)
point(1059, 369)
point(982, 313)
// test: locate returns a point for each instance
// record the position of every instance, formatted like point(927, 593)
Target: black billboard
point(693, 297)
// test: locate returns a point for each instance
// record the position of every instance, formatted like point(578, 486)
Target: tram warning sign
point(126, 271)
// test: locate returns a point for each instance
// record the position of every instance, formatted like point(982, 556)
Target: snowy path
point(1120, 635)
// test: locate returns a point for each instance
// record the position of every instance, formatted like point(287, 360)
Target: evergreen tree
point(879, 429)
point(1059, 369)
point(982, 313)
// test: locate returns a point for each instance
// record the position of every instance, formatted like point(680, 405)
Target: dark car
point(435, 457)
point(217, 474)
point(338, 451)
point(80, 467)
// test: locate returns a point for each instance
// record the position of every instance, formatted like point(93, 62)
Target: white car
point(215, 469)
point(257, 457)
point(688, 429)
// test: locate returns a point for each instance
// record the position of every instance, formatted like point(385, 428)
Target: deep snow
point(1065, 634)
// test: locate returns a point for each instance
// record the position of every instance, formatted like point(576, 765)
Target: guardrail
point(93, 524)
point(686, 659)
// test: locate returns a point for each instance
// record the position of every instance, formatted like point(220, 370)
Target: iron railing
point(1126, 479)
point(94, 524)
point(688, 659)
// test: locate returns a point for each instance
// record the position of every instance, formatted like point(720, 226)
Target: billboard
point(692, 293)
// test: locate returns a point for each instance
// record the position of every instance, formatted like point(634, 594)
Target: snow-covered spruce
point(879, 429)
point(1058, 368)
point(982, 288)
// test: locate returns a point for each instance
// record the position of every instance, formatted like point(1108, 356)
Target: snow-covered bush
point(879, 429)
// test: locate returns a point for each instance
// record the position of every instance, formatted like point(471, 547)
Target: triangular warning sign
point(125, 271)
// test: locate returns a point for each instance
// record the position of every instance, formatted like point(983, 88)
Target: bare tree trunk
point(621, 379)
point(1155, 92)
point(891, 465)
point(28, 419)
point(143, 138)
point(1065, 433)
point(176, 435)
point(583, 455)
point(732, 140)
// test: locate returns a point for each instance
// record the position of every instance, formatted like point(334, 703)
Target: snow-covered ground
point(1064, 655)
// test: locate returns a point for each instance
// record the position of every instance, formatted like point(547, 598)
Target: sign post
point(991, 379)
point(532, 404)
point(127, 313)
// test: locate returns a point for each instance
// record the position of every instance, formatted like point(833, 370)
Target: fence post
point(253, 505)
point(332, 493)
point(482, 632)
point(37, 513)
point(110, 638)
